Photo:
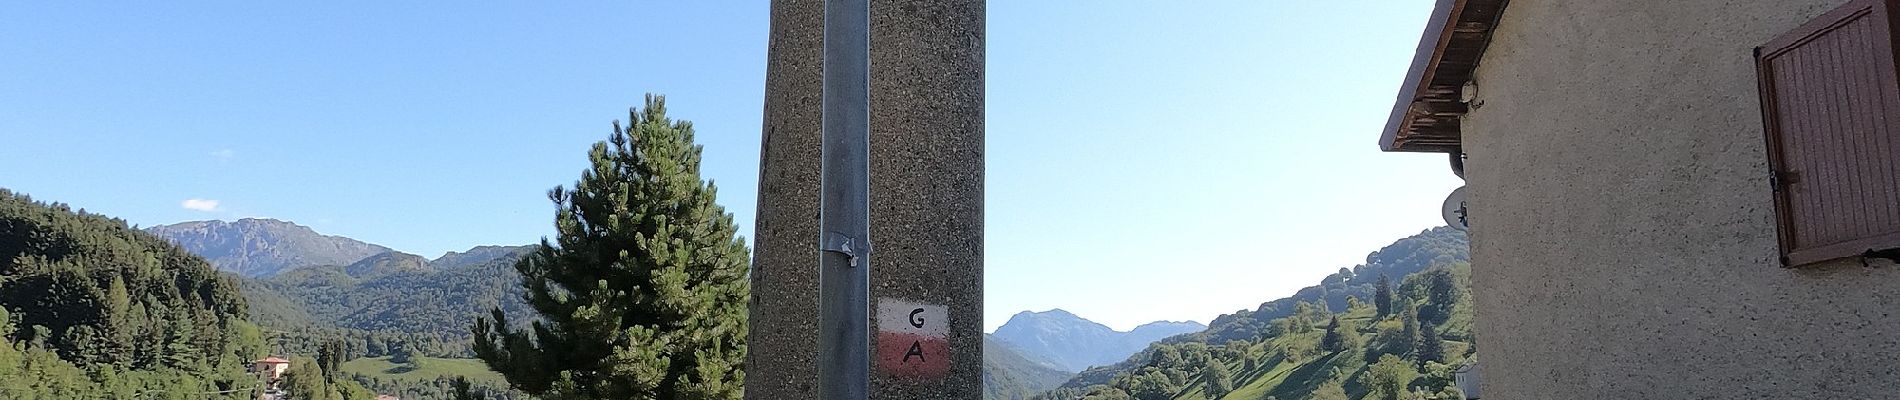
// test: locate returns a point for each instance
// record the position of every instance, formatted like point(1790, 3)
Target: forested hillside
point(93, 309)
point(390, 293)
point(408, 316)
point(1343, 339)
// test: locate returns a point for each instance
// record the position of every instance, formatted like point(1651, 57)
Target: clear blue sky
point(1147, 160)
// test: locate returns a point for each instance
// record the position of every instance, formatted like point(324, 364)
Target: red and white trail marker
point(911, 339)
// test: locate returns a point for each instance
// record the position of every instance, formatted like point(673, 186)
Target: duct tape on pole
point(845, 204)
point(1456, 210)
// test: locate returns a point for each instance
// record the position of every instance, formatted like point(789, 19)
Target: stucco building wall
point(1623, 240)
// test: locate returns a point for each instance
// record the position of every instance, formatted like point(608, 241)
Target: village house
point(1690, 199)
point(270, 368)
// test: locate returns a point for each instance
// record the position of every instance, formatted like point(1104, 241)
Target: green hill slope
point(423, 302)
point(1371, 355)
point(426, 369)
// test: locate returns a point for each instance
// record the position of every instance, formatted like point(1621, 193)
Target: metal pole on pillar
point(844, 364)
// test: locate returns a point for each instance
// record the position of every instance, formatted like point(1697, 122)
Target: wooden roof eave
point(1426, 113)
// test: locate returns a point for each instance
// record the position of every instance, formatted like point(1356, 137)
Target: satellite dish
point(1455, 211)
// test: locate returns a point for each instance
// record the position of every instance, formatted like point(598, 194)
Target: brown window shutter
point(1831, 103)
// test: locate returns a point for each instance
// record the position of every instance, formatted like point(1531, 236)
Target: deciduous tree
point(1386, 379)
point(1219, 381)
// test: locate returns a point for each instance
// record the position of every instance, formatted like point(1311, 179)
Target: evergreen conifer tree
point(1430, 348)
point(1333, 342)
point(1441, 295)
point(1382, 297)
point(329, 357)
point(1410, 336)
point(643, 292)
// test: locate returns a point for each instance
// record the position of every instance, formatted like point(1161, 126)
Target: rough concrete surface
point(1623, 240)
point(926, 182)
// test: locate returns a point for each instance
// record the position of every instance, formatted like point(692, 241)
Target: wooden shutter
point(1831, 102)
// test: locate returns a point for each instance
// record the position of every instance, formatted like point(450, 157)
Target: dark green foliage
point(112, 311)
point(1412, 333)
point(643, 294)
point(1218, 380)
point(1331, 390)
point(1096, 392)
point(444, 388)
point(1382, 296)
point(400, 353)
point(1150, 384)
point(1442, 293)
point(439, 303)
point(330, 357)
point(1429, 348)
point(1387, 379)
point(462, 390)
point(306, 379)
point(1334, 341)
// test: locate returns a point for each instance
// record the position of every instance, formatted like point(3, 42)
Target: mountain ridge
point(1073, 343)
point(264, 247)
point(255, 247)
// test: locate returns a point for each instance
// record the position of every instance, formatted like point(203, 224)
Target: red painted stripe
point(913, 356)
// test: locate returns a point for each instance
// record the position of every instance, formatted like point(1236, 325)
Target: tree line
point(97, 309)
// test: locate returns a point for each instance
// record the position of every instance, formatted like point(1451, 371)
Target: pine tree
point(117, 328)
point(1441, 295)
point(1334, 341)
point(643, 293)
point(178, 351)
point(305, 380)
point(1411, 337)
point(1382, 297)
point(1430, 348)
point(459, 390)
point(329, 357)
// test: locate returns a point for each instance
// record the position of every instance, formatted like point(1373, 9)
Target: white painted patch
point(908, 317)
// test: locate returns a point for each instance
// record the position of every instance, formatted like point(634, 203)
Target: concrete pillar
point(926, 203)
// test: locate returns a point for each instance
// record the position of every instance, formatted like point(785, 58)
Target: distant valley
point(309, 286)
point(296, 278)
point(304, 287)
point(1038, 351)
point(1074, 344)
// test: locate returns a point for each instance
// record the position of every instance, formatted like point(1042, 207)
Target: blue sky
point(1147, 160)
